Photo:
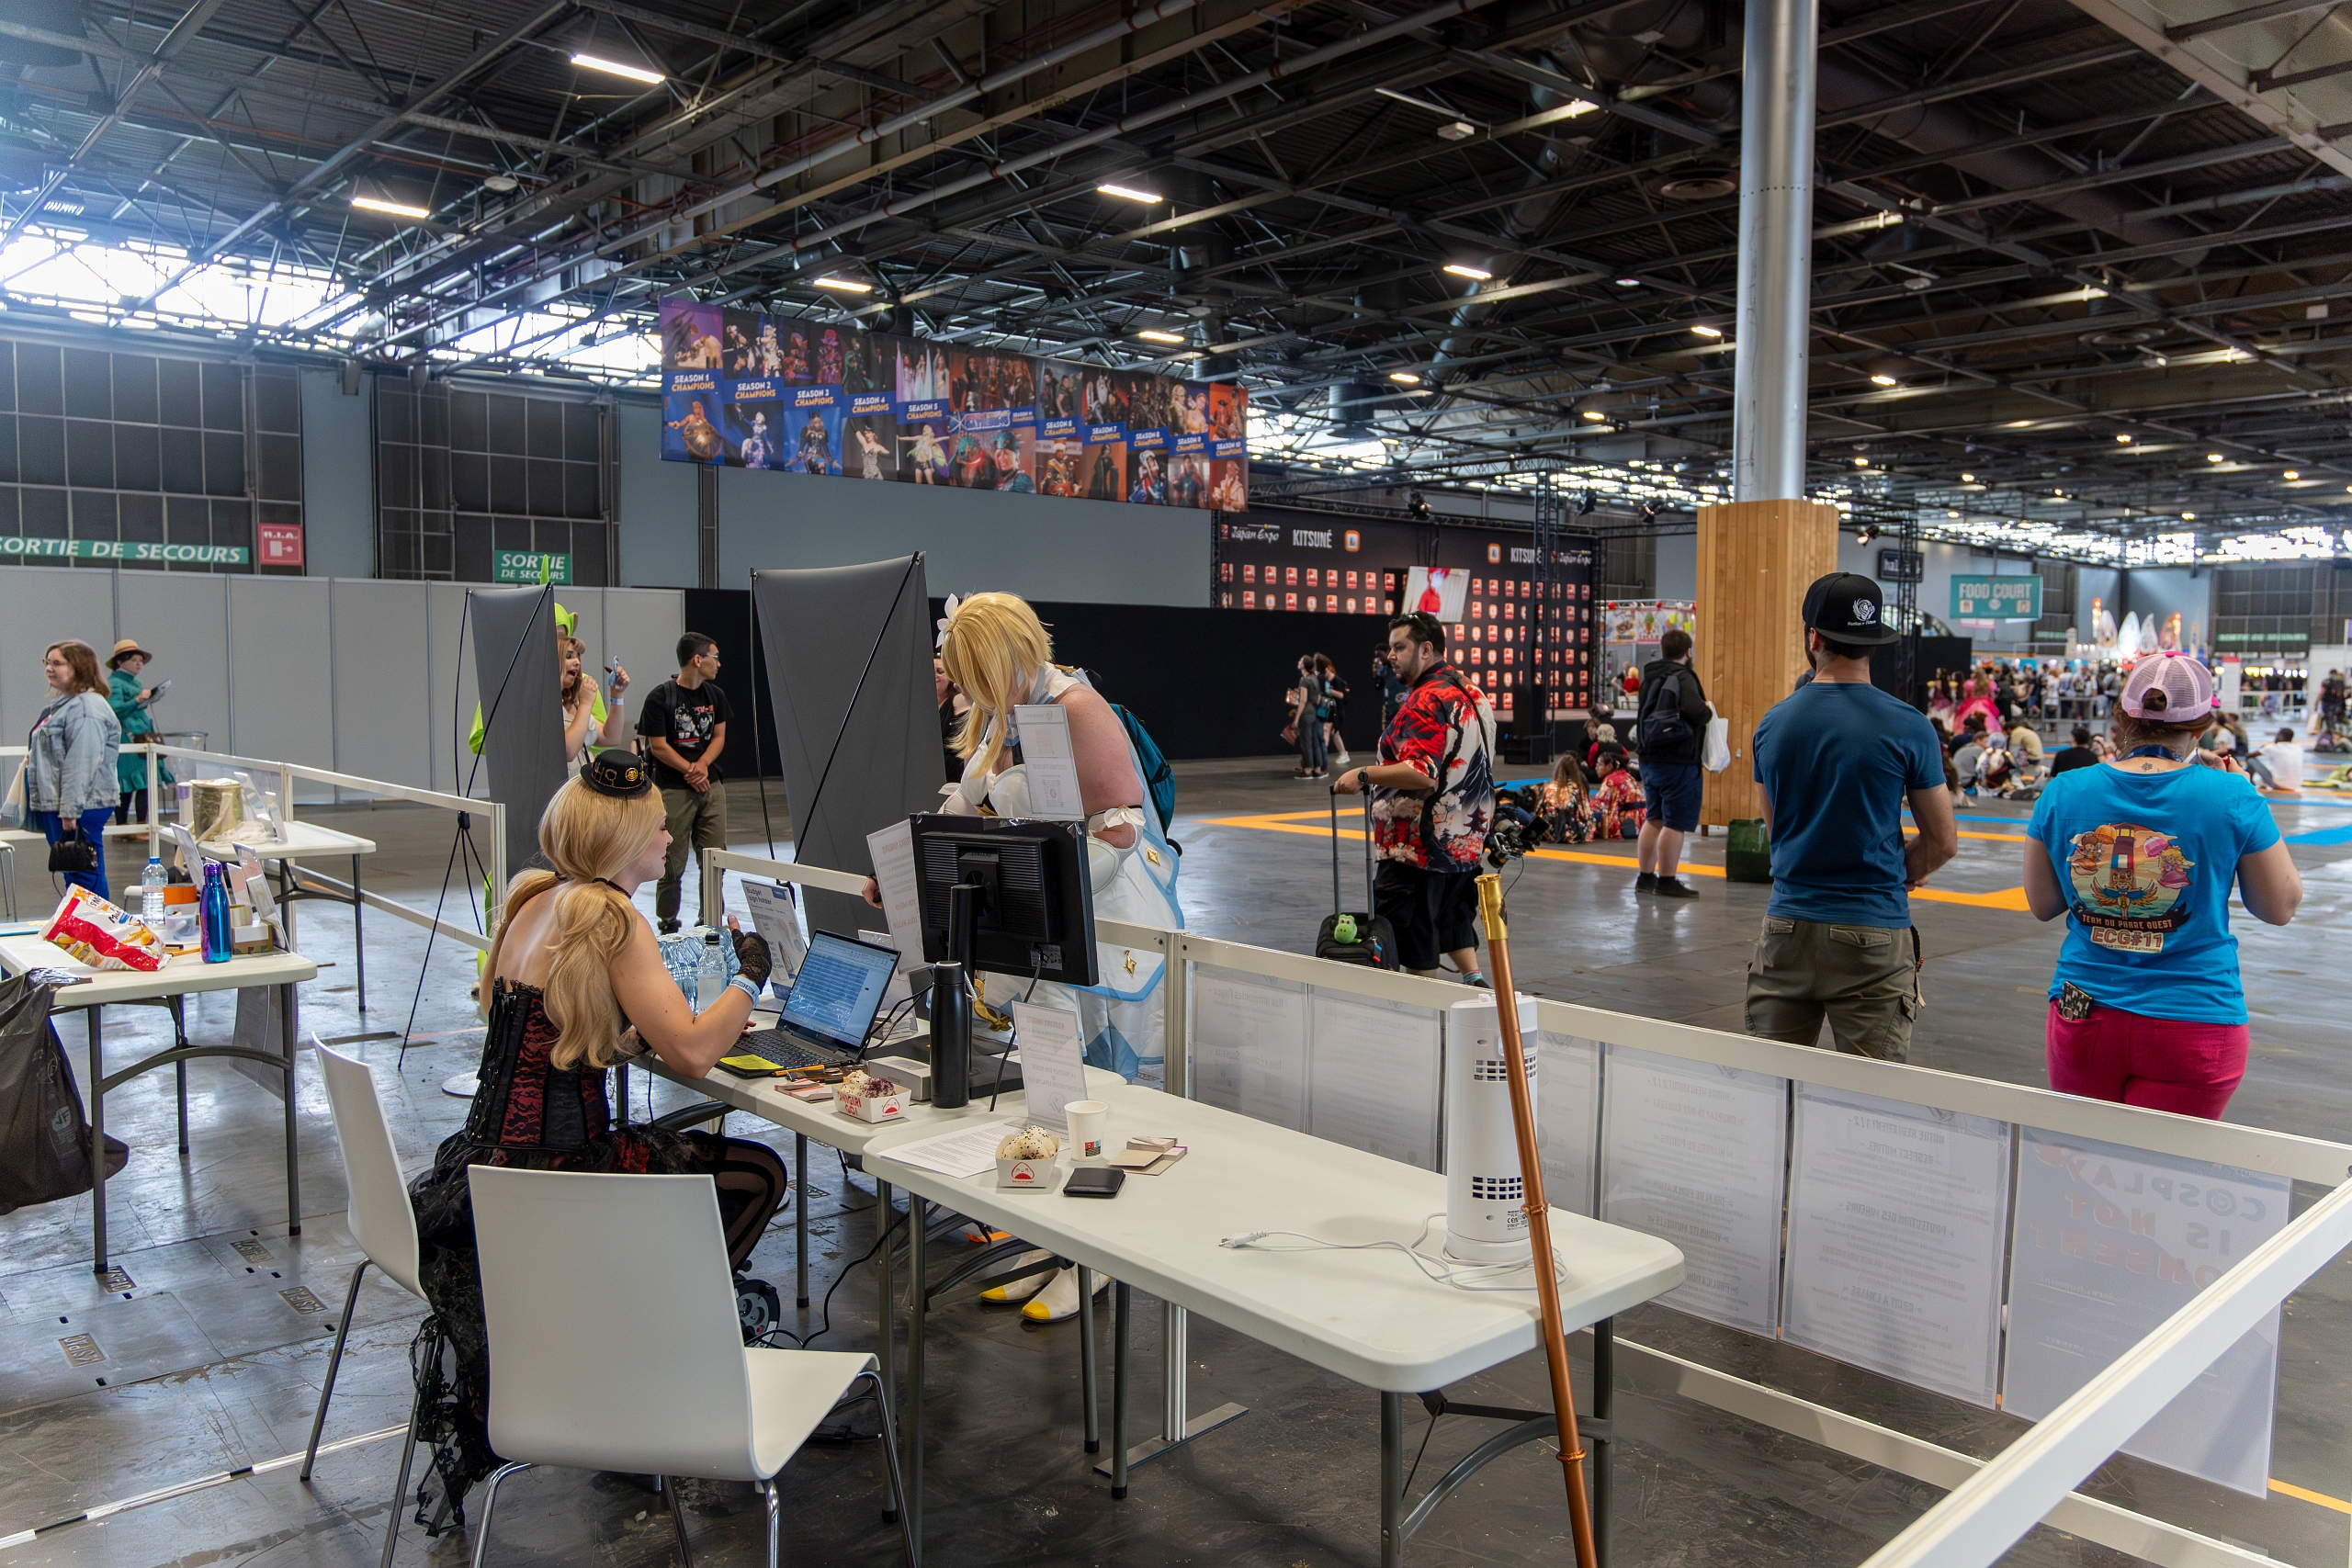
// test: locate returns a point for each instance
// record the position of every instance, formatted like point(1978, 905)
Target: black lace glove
point(752, 957)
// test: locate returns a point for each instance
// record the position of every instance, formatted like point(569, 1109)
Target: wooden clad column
point(1756, 560)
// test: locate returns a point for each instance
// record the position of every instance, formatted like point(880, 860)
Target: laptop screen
point(838, 988)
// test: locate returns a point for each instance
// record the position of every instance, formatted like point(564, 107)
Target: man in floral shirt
point(1432, 801)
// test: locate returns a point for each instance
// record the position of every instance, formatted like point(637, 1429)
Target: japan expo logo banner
point(769, 390)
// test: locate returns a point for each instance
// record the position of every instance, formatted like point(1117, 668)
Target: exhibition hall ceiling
point(2079, 263)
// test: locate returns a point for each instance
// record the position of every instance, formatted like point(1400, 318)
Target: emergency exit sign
point(526, 565)
point(1997, 598)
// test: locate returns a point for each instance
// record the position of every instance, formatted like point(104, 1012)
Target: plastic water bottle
point(151, 894)
point(212, 906)
point(710, 979)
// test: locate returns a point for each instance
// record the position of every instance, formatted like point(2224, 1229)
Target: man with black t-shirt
point(684, 726)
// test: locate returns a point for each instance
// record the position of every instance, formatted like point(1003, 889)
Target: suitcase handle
point(1336, 907)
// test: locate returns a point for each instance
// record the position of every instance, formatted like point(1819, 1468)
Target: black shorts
point(1431, 911)
point(1672, 792)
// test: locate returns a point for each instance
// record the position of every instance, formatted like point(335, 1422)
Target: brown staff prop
point(1539, 1217)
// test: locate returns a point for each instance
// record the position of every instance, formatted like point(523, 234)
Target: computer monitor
point(838, 988)
point(1035, 912)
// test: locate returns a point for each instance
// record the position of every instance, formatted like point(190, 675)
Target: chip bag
point(101, 935)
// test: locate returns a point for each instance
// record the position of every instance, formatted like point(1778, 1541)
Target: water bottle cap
point(154, 860)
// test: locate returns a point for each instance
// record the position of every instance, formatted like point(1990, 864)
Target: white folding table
point(1371, 1316)
point(179, 977)
point(299, 841)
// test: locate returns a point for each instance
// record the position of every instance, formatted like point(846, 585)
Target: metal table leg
point(293, 1164)
point(179, 1074)
point(918, 1223)
point(359, 933)
point(1174, 1428)
point(1392, 1480)
point(1086, 1356)
point(800, 1214)
point(1604, 1398)
point(97, 1143)
point(1119, 1304)
point(886, 1316)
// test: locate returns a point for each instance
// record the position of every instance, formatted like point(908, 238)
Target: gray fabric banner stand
point(848, 665)
point(519, 674)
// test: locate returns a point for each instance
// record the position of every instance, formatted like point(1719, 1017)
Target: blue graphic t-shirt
point(1837, 760)
point(2147, 861)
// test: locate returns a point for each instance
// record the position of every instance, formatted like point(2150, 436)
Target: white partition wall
point(39, 606)
point(279, 686)
point(642, 627)
point(182, 619)
point(383, 667)
point(450, 693)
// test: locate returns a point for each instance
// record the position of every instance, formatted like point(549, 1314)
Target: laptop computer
point(832, 1007)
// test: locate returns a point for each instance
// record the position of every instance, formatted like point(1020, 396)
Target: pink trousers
point(2163, 1064)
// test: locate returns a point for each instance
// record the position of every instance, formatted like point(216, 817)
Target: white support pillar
point(1775, 251)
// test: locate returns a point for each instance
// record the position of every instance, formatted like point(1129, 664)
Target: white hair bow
point(953, 604)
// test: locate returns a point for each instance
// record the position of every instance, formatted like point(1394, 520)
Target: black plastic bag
point(44, 1137)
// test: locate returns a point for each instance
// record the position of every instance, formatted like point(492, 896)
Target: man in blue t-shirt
point(1836, 759)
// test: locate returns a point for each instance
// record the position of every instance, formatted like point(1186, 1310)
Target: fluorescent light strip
point(1129, 193)
point(1703, 330)
point(845, 285)
point(1153, 335)
point(396, 210)
point(1477, 275)
point(617, 68)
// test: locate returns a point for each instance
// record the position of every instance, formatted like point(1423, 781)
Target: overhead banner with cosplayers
point(751, 391)
point(1481, 580)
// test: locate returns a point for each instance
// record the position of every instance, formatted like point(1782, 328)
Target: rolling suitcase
point(1365, 938)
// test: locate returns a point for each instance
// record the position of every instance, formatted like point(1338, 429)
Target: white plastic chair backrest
point(382, 1220)
point(613, 1341)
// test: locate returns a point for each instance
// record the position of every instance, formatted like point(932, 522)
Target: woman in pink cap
point(2140, 854)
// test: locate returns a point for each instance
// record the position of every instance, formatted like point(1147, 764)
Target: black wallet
point(1094, 1181)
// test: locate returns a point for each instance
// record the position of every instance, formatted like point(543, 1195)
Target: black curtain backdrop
point(725, 615)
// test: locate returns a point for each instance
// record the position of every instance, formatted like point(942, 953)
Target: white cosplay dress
point(1124, 1018)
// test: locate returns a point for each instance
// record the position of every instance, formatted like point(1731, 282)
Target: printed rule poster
point(751, 389)
point(2109, 1243)
point(1373, 1076)
point(1896, 1230)
point(1568, 1117)
point(1694, 1155)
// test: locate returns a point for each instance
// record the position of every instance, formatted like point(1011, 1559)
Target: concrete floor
point(215, 1343)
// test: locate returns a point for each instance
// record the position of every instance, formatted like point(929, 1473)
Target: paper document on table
point(1049, 764)
point(964, 1152)
point(1053, 1061)
point(893, 849)
point(778, 923)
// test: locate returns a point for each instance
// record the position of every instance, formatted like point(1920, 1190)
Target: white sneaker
point(1342, 760)
point(1060, 1300)
point(1021, 1290)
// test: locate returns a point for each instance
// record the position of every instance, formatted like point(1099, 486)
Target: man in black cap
point(1836, 759)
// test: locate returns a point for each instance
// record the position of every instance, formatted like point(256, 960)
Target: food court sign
point(18, 550)
point(1997, 598)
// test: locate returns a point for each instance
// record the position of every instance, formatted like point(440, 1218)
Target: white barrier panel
point(2110, 1242)
point(1374, 1075)
point(1696, 1155)
point(1249, 1044)
point(1897, 1220)
point(1568, 1121)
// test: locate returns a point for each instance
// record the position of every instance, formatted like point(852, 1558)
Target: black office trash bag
point(44, 1137)
point(1375, 943)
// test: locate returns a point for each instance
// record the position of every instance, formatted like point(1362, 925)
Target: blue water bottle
point(213, 909)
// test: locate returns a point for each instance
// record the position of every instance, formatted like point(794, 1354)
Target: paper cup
point(1090, 1125)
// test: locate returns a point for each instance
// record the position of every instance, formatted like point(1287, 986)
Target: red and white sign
point(281, 543)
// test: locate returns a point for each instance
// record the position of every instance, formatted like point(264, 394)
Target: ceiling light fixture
point(1404, 378)
point(617, 68)
point(2119, 437)
point(1153, 335)
point(1464, 269)
point(1629, 283)
point(2188, 518)
point(1594, 414)
point(393, 208)
point(1882, 380)
point(1949, 512)
point(1703, 330)
point(1129, 193)
point(845, 285)
point(1456, 130)
point(1968, 479)
point(1861, 462)
point(2291, 474)
point(2215, 457)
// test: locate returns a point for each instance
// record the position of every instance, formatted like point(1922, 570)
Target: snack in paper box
point(1029, 1143)
point(101, 935)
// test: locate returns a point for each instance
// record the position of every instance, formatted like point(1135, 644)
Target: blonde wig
point(995, 649)
point(586, 837)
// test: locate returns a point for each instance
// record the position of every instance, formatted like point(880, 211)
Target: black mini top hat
point(623, 774)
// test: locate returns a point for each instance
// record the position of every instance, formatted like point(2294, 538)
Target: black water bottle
point(951, 1038)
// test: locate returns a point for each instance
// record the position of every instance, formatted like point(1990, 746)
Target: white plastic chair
point(382, 1222)
point(569, 1260)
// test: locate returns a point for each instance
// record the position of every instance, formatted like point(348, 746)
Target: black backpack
point(1660, 725)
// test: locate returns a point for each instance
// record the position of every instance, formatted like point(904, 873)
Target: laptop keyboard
point(774, 1045)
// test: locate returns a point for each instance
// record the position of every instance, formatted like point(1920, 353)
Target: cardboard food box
point(891, 1106)
point(1029, 1175)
